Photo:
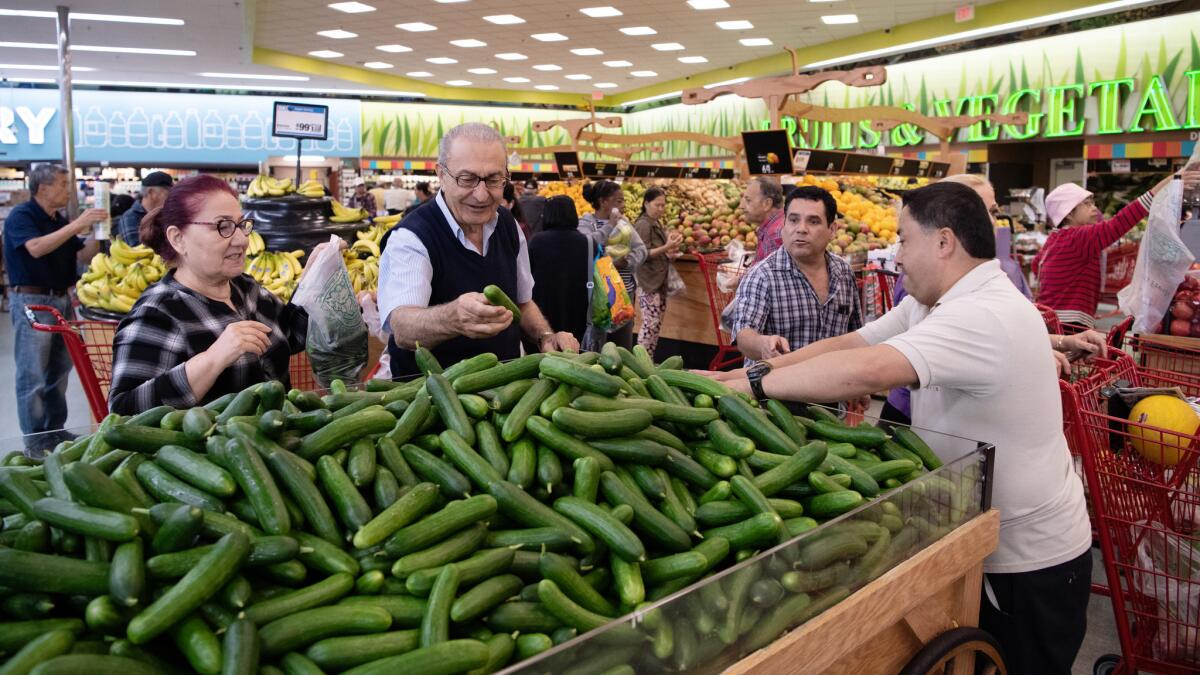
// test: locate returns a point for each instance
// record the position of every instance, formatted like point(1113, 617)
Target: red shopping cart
point(712, 265)
point(1053, 325)
point(876, 288)
point(1147, 516)
point(1164, 360)
point(89, 344)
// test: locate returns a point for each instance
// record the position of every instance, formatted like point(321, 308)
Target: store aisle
point(79, 414)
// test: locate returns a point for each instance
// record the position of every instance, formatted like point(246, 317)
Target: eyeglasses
point(226, 226)
point(470, 181)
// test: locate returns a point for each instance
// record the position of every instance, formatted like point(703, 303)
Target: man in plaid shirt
point(800, 293)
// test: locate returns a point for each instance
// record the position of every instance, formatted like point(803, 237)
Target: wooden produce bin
point(882, 626)
point(688, 317)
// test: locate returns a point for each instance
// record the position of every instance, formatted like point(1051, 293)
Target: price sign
point(922, 169)
point(656, 171)
point(605, 170)
point(697, 172)
point(768, 152)
point(939, 169)
point(826, 162)
point(725, 174)
point(568, 165)
point(800, 161)
point(1120, 166)
point(300, 120)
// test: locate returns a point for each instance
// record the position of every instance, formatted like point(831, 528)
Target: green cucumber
point(503, 374)
point(523, 465)
point(682, 466)
point(342, 653)
point(509, 394)
point(199, 646)
point(192, 467)
point(860, 479)
point(482, 565)
point(496, 296)
point(304, 492)
point(824, 484)
point(697, 384)
point(564, 575)
point(127, 573)
point(435, 625)
point(167, 488)
point(436, 470)
point(20, 490)
point(324, 592)
point(679, 565)
point(600, 523)
point(648, 480)
point(523, 617)
point(521, 507)
point(414, 504)
point(406, 610)
point(834, 504)
point(449, 408)
point(308, 422)
point(602, 424)
point(862, 437)
point(362, 462)
point(441, 525)
point(727, 442)
point(490, 446)
point(627, 577)
point(351, 508)
point(475, 364)
point(578, 375)
point(793, 469)
point(86, 520)
point(755, 424)
point(916, 445)
point(561, 397)
point(42, 648)
point(460, 452)
point(411, 420)
point(213, 570)
point(662, 437)
point(475, 406)
point(255, 480)
point(822, 549)
point(631, 450)
point(895, 468)
point(312, 625)
point(445, 658)
point(426, 362)
point(29, 606)
point(393, 459)
point(549, 469)
point(563, 443)
point(718, 464)
point(343, 432)
point(243, 403)
point(514, 425)
point(240, 649)
point(759, 530)
point(484, 597)
point(650, 521)
point(586, 484)
point(558, 604)
point(816, 580)
point(893, 450)
point(786, 422)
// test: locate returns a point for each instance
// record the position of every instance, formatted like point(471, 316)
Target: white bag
point(337, 336)
point(370, 315)
point(1162, 260)
point(729, 274)
point(675, 283)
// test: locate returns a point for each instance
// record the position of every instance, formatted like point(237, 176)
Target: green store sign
point(1120, 106)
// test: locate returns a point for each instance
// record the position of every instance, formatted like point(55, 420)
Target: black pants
point(893, 415)
point(1042, 616)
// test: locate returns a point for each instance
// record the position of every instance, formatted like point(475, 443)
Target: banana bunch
point(341, 214)
point(387, 221)
point(312, 189)
point(115, 280)
point(265, 186)
point(277, 271)
point(256, 244)
point(364, 272)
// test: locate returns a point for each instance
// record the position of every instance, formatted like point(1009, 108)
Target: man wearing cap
point(532, 205)
point(1068, 266)
point(155, 186)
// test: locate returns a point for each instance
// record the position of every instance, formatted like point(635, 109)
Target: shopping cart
point(1117, 264)
point(876, 287)
point(1147, 517)
point(89, 344)
point(712, 265)
point(1164, 360)
point(1053, 325)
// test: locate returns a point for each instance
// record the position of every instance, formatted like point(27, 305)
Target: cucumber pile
point(461, 522)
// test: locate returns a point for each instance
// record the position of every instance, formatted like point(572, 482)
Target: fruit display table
point(688, 317)
point(297, 222)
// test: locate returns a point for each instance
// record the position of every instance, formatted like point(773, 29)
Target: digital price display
point(300, 120)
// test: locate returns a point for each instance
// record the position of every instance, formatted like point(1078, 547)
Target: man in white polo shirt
point(974, 350)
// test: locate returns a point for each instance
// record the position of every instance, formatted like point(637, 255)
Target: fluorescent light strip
point(351, 7)
point(546, 87)
point(1057, 17)
point(517, 80)
point(644, 73)
point(83, 16)
point(481, 71)
point(618, 64)
point(547, 67)
point(442, 60)
point(654, 98)
point(19, 66)
point(459, 83)
point(255, 76)
point(96, 48)
point(232, 85)
point(579, 76)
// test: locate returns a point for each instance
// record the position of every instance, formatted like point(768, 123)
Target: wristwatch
point(755, 374)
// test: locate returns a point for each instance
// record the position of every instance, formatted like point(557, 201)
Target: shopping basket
point(89, 343)
point(1148, 521)
point(712, 264)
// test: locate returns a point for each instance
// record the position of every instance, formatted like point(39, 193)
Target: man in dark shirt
point(41, 250)
point(155, 187)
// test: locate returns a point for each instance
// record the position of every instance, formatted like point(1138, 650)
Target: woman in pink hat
point(1068, 266)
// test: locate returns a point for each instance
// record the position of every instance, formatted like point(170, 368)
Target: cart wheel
point(941, 650)
point(1106, 665)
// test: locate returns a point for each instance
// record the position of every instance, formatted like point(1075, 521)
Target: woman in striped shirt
point(1068, 266)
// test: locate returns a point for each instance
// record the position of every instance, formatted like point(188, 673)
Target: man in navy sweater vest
point(440, 257)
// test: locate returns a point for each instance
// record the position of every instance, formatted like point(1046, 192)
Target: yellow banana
point(367, 246)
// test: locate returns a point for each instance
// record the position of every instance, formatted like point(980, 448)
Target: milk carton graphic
point(173, 137)
point(139, 128)
point(345, 136)
point(234, 133)
point(254, 136)
point(94, 128)
point(78, 131)
point(191, 130)
point(213, 131)
point(118, 130)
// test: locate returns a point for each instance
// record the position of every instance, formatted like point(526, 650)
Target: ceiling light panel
point(639, 30)
point(419, 73)
point(459, 83)
point(337, 34)
point(394, 49)
point(256, 76)
point(839, 19)
point(601, 12)
point(605, 85)
point(618, 64)
point(587, 51)
point(517, 80)
point(708, 4)
point(468, 43)
point(735, 25)
point(644, 73)
point(511, 56)
point(547, 67)
point(351, 7)
point(668, 47)
point(755, 42)
point(692, 59)
point(326, 54)
point(378, 65)
point(442, 60)
point(546, 87)
point(549, 37)
point(481, 71)
point(416, 27)
point(579, 77)
point(504, 19)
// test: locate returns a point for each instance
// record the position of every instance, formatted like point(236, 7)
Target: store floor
point(1101, 637)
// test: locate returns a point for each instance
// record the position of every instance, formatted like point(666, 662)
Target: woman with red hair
point(207, 328)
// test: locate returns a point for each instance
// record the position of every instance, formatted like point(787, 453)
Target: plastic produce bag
point(729, 274)
point(337, 335)
point(611, 307)
point(370, 315)
point(675, 284)
point(1162, 259)
point(1169, 571)
point(618, 244)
